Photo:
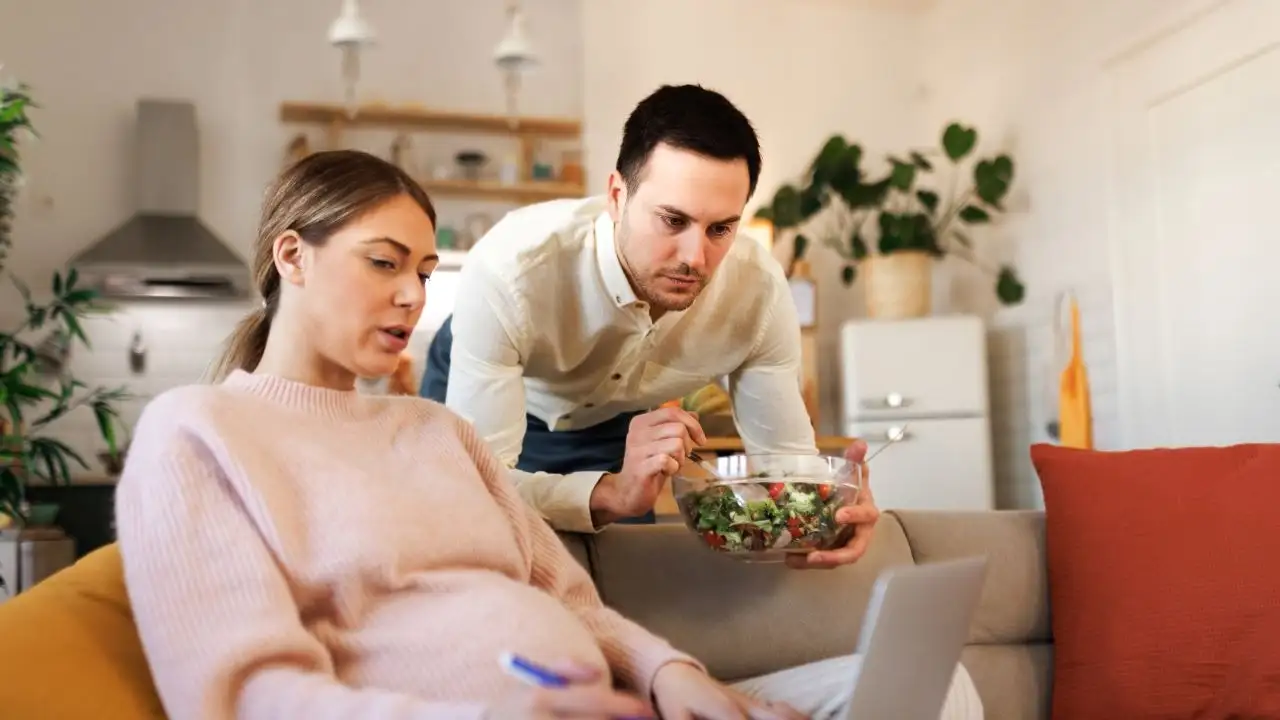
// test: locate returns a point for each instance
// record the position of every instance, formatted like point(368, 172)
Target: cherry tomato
point(824, 491)
point(713, 538)
point(793, 526)
point(776, 490)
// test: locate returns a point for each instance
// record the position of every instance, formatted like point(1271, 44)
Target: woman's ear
point(288, 253)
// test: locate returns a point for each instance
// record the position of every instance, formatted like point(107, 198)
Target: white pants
point(821, 689)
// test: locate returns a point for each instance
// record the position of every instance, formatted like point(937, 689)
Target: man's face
point(675, 228)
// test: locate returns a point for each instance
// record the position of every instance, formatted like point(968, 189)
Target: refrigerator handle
point(896, 433)
point(890, 401)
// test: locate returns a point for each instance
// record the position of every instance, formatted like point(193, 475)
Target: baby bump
point(443, 641)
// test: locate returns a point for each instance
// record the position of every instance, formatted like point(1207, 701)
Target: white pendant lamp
point(514, 56)
point(350, 33)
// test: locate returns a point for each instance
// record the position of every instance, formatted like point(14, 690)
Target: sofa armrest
point(1015, 599)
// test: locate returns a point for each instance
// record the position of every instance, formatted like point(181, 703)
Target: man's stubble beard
point(644, 286)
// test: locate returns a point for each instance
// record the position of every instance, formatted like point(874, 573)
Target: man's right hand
point(657, 444)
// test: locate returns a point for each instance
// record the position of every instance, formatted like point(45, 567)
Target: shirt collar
point(615, 278)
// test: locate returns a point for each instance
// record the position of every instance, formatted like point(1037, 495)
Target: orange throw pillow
point(1164, 581)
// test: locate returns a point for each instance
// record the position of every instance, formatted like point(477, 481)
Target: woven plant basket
point(898, 285)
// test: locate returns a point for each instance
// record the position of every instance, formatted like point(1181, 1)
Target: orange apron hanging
point(1075, 420)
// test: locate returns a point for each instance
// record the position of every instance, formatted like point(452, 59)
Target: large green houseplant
point(899, 216)
point(32, 396)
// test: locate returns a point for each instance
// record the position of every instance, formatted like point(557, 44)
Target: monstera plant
point(905, 211)
point(34, 389)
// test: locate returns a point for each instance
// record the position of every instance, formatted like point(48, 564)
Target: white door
point(1195, 228)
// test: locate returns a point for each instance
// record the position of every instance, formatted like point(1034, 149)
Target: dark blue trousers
point(600, 447)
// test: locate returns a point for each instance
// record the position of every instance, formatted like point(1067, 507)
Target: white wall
point(1028, 73)
point(88, 61)
point(800, 70)
point(888, 74)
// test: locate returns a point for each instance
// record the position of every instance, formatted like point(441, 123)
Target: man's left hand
point(684, 692)
point(863, 515)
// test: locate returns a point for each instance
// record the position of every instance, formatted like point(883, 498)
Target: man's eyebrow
point(686, 216)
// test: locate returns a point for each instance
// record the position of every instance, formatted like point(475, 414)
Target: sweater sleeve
point(634, 653)
point(216, 615)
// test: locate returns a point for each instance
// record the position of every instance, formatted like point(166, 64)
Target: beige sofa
point(741, 620)
point(744, 620)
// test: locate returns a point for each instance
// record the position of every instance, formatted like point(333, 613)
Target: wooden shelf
point(411, 116)
point(521, 192)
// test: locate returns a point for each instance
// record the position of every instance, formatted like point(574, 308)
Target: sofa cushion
point(79, 655)
point(739, 619)
point(1163, 581)
point(1014, 607)
point(1014, 680)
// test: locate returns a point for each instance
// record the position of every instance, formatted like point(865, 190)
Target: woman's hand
point(586, 696)
point(683, 692)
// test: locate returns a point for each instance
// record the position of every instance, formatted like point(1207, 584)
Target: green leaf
point(992, 179)
point(848, 274)
point(827, 162)
point(765, 213)
point(786, 207)
point(973, 214)
point(958, 141)
point(903, 175)
point(74, 327)
point(812, 200)
point(801, 244)
point(921, 161)
point(1009, 288)
point(81, 296)
point(846, 176)
point(929, 199)
point(907, 231)
point(857, 246)
point(866, 195)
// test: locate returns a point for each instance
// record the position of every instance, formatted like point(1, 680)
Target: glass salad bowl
point(762, 508)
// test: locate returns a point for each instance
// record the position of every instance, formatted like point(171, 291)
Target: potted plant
point(907, 222)
point(31, 396)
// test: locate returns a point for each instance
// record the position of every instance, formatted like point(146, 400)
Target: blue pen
point(532, 674)
point(536, 675)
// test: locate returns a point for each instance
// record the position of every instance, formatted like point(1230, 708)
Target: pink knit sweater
point(292, 551)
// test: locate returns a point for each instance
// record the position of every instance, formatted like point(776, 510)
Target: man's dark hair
point(687, 117)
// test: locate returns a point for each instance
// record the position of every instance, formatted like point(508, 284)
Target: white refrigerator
point(925, 379)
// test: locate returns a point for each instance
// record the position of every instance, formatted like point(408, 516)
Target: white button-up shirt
point(546, 322)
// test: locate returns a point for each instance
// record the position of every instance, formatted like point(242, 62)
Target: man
point(576, 317)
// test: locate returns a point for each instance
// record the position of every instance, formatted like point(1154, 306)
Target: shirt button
point(616, 376)
point(589, 405)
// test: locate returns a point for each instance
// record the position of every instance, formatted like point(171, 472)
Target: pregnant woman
point(294, 549)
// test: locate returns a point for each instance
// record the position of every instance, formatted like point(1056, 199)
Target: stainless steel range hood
point(164, 250)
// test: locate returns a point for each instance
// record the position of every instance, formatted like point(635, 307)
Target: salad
point(763, 515)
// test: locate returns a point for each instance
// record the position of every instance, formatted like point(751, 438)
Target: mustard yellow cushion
point(69, 648)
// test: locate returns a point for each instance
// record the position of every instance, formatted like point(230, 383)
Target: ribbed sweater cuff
point(637, 659)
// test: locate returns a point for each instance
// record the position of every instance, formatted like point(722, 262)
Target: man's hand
point(657, 443)
point(863, 515)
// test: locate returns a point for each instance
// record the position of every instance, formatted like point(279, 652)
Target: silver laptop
point(916, 625)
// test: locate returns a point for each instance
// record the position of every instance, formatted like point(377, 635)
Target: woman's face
point(363, 291)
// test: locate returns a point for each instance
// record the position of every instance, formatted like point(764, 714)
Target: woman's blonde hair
point(315, 197)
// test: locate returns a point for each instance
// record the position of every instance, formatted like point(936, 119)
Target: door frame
point(1150, 71)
